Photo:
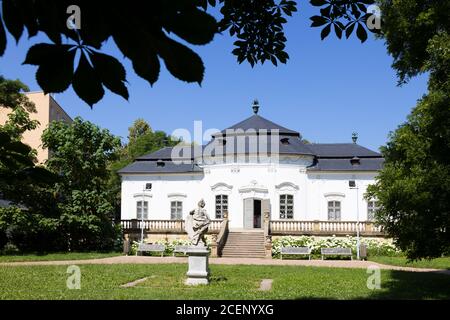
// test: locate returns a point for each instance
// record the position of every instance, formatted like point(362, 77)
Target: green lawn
point(57, 256)
point(227, 282)
point(438, 263)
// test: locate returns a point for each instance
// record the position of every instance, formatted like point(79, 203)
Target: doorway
point(252, 214)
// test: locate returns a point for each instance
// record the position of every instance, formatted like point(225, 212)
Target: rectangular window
point(139, 210)
point(176, 210)
point(372, 207)
point(334, 210)
point(221, 205)
point(286, 206)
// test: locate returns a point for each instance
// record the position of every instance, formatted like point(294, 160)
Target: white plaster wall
point(262, 181)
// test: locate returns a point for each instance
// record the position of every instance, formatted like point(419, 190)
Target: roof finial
point(355, 137)
point(255, 106)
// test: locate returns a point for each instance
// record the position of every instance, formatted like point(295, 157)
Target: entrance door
point(248, 213)
point(252, 213)
point(257, 214)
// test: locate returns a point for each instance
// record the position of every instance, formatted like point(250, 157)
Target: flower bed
point(375, 247)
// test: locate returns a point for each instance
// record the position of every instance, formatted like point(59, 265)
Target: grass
point(227, 282)
point(438, 263)
point(57, 256)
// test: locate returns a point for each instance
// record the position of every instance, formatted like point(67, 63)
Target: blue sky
point(327, 90)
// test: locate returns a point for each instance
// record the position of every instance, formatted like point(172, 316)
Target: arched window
point(286, 206)
point(221, 205)
point(334, 210)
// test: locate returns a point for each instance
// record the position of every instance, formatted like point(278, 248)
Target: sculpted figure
point(197, 223)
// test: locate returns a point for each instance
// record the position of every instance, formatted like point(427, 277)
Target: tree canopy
point(144, 33)
point(414, 186)
point(17, 160)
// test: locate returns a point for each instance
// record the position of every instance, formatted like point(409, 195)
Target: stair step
point(242, 244)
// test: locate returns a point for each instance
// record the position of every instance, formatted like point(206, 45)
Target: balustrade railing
point(322, 227)
point(163, 225)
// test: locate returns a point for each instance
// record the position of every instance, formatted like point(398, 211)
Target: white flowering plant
point(375, 247)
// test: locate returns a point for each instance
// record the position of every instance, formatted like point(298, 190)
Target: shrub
point(10, 249)
point(375, 247)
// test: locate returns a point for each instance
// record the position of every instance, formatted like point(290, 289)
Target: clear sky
point(327, 90)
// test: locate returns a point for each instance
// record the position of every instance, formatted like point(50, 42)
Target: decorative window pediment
point(254, 190)
point(176, 195)
point(140, 195)
point(221, 187)
point(334, 194)
point(287, 186)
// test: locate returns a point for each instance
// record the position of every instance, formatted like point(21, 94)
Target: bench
point(295, 251)
point(336, 252)
point(144, 247)
point(180, 249)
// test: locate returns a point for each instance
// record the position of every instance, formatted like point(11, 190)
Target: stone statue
point(197, 223)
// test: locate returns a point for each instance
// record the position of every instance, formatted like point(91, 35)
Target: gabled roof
point(257, 123)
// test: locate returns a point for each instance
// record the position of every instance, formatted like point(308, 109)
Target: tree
point(20, 180)
point(142, 29)
point(414, 186)
point(81, 152)
point(139, 128)
point(17, 167)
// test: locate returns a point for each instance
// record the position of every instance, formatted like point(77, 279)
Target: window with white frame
point(176, 210)
point(221, 205)
point(286, 206)
point(372, 208)
point(334, 210)
point(139, 210)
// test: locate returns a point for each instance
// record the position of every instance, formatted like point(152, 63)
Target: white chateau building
point(243, 176)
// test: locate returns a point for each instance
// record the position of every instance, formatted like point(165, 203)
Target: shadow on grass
point(413, 285)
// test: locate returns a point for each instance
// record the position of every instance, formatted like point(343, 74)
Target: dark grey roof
point(153, 167)
point(163, 154)
point(166, 154)
point(328, 156)
point(366, 164)
point(252, 144)
point(341, 150)
point(257, 123)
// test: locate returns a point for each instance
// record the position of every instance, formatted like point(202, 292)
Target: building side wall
point(47, 110)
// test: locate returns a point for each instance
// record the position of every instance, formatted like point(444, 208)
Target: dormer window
point(355, 161)
point(284, 141)
point(160, 163)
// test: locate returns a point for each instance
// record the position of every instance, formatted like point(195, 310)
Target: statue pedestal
point(198, 272)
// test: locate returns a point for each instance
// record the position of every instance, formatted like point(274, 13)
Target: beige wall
point(47, 110)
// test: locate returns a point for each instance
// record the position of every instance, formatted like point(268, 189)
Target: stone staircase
point(244, 244)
